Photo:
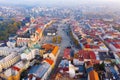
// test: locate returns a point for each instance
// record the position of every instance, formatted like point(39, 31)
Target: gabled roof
point(48, 46)
point(38, 30)
point(87, 54)
point(93, 75)
point(49, 61)
point(55, 50)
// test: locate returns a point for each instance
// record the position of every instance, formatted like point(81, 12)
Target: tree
point(102, 66)
point(24, 74)
point(54, 40)
point(99, 67)
point(8, 27)
point(15, 24)
point(113, 63)
point(19, 24)
point(59, 39)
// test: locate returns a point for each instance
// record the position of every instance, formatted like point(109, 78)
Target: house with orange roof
point(54, 53)
point(47, 64)
point(52, 50)
point(93, 75)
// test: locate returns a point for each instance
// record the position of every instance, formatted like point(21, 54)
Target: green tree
point(24, 74)
point(54, 39)
point(8, 27)
point(59, 39)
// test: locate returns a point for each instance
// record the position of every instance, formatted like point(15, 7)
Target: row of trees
point(7, 28)
point(74, 40)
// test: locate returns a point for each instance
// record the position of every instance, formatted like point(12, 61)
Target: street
point(65, 42)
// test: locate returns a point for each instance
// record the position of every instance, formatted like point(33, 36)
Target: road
point(65, 42)
point(65, 39)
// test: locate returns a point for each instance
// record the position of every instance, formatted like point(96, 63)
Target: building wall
point(29, 55)
point(4, 52)
point(22, 41)
point(17, 76)
point(45, 77)
point(9, 63)
point(97, 50)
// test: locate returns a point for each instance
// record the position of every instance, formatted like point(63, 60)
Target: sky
point(56, 2)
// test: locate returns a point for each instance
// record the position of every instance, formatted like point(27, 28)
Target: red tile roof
point(87, 46)
point(117, 45)
point(91, 46)
point(38, 30)
point(87, 54)
point(49, 61)
point(15, 68)
point(66, 53)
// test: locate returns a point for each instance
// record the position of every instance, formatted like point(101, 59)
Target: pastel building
point(14, 72)
point(9, 60)
point(4, 51)
point(28, 54)
point(22, 41)
point(26, 39)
